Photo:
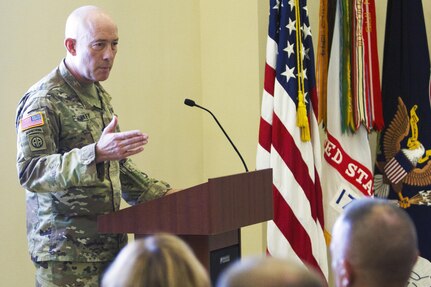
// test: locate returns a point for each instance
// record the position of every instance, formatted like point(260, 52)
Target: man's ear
point(70, 45)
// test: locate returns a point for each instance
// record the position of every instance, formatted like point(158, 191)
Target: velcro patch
point(37, 142)
point(31, 121)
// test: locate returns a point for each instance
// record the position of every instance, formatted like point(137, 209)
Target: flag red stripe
point(269, 79)
point(292, 229)
point(318, 204)
point(291, 155)
point(265, 135)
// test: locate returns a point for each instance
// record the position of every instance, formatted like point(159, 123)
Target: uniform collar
point(88, 94)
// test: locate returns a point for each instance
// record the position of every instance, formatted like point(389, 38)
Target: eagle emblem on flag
point(400, 164)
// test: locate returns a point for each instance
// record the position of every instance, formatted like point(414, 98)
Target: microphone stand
point(191, 103)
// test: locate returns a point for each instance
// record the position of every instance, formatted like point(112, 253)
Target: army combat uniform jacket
point(58, 123)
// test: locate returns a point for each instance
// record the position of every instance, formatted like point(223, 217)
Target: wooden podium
point(207, 216)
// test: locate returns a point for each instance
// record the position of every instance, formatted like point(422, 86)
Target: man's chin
point(102, 74)
point(102, 78)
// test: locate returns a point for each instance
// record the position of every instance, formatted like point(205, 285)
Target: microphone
point(192, 103)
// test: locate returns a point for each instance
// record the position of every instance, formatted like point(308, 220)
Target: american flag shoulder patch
point(31, 121)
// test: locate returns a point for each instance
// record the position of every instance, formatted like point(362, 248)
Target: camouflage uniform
point(58, 123)
point(69, 274)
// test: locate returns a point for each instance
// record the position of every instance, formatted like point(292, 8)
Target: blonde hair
point(160, 260)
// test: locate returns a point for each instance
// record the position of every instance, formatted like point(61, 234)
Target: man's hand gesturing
point(116, 146)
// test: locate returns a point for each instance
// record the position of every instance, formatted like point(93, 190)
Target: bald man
point(374, 244)
point(73, 160)
point(269, 272)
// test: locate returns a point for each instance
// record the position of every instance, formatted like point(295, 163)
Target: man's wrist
point(88, 154)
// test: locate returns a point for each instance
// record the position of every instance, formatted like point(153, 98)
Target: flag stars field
point(306, 30)
point(292, 4)
point(289, 73)
point(289, 49)
point(291, 26)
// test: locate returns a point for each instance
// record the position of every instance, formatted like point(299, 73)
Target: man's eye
point(98, 46)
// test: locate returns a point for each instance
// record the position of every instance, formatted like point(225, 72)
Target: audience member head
point(374, 243)
point(268, 272)
point(160, 260)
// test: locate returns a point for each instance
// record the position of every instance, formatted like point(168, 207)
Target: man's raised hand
point(114, 145)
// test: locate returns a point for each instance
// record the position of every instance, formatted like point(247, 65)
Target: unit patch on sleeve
point(31, 121)
point(36, 141)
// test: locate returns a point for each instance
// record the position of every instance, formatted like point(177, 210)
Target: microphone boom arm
point(192, 103)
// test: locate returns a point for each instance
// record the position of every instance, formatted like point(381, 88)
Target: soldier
point(73, 160)
point(374, 243)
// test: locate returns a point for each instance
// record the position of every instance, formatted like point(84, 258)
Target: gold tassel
point(301, 117)
point(305, 134)
point(301, 113)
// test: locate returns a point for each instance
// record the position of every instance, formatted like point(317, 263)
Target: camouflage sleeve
point(41, 167)
point(137, 187)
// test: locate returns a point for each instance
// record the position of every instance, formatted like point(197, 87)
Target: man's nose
point(109, 52)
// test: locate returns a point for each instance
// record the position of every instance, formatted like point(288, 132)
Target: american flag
point(31, 121)
point(296, 232)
